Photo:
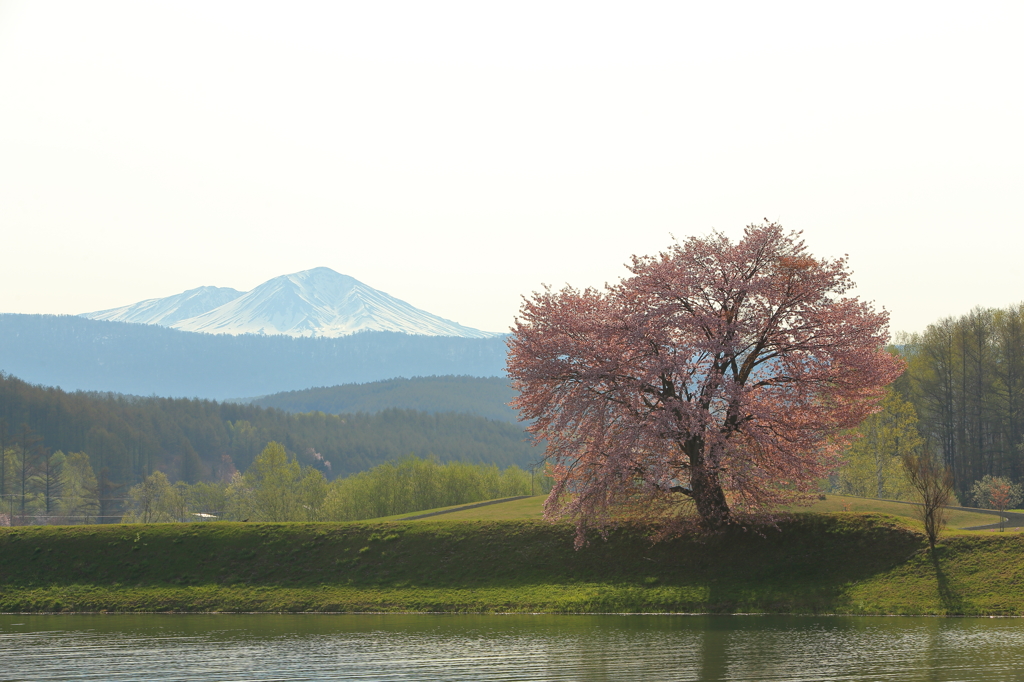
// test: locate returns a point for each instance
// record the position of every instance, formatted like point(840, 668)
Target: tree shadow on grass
point(949, 598)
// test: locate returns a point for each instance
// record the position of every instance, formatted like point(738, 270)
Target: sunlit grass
point(828, 562)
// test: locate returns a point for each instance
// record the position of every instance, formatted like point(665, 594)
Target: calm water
point(397, 647)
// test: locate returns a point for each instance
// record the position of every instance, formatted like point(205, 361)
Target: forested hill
point(93, 355)
point(483, 396)
point(192, 439)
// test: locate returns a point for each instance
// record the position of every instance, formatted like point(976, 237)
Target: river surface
point(484, 648)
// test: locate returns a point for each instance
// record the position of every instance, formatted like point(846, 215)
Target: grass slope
point(818, 563)
point(514, 510)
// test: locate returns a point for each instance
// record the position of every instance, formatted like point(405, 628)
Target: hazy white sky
point(459, 154)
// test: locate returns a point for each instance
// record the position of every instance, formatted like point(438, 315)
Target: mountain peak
point(317, 302)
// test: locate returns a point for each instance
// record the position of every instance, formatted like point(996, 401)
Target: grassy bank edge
point(978, 575)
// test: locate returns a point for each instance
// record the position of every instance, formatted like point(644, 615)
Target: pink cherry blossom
point(717, 372)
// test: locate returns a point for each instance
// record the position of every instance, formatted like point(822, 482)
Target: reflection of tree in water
point(631, 650)
point(714, 661)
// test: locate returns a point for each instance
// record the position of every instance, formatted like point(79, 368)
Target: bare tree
point(933, 483)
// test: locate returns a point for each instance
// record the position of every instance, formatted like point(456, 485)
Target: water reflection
point(597, 648)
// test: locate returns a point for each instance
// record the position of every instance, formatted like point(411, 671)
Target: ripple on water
point(424, 647)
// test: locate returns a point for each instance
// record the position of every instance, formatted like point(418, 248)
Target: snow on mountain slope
point(317, 302)
point(166, 311)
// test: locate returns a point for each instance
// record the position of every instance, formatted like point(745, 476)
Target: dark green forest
point(483, 396)
point(127, 438)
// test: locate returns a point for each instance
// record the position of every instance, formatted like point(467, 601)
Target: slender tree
point(52, 476)
point(933, 482)
point(722, 371)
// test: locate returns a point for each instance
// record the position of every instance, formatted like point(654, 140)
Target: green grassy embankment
point(818, 563)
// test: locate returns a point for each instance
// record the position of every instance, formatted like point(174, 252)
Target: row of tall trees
point(277, 488)
point(965, 377)
point(962, 397)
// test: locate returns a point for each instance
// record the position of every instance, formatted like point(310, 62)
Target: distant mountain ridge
point(167, 312)
point(312, 303)
point(140, 359)
point(487, 397)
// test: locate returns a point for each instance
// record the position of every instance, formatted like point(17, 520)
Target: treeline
point(961, 398)
point(483, 396)
point(82, 354)
point(277, 488)
point(128, 438)
point(55, 489)
point(965, 378)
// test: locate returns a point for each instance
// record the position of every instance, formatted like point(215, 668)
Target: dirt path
point(1013, 520)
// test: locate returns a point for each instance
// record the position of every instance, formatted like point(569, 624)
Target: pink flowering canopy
point(717, 372)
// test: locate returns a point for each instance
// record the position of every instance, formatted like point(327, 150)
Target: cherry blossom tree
point(996, 492)
point(724, 372)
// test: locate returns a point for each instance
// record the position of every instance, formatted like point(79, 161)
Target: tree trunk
point(705, 487)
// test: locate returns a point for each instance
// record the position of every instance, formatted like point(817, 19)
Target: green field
point(814, 563)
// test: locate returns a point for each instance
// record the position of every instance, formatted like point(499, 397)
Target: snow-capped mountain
point(166, 311)
point(317, 302)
